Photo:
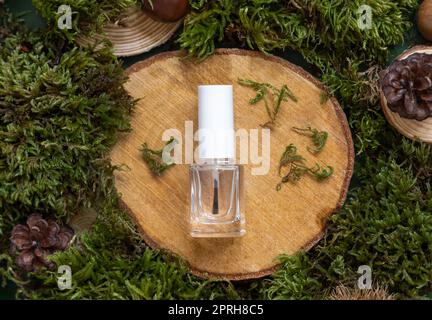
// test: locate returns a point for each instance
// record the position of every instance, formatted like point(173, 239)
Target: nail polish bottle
point(215, 179)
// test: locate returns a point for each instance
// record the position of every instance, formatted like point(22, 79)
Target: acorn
point(424, 19)
point(166, 10)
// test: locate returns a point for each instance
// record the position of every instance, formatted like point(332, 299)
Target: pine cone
point(407, 86)
point(34, 242)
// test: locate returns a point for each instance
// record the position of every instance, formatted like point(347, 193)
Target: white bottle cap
point(216, 122)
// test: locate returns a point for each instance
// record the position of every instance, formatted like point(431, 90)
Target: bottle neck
point(216, 161)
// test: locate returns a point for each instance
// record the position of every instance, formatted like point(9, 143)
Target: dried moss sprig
point(153, 158)
point(262, 91)
point(297, 168)
point(319, 138)
point(321, 173)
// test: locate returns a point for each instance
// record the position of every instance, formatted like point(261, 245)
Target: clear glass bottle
point(216, 197)
point(216, 181)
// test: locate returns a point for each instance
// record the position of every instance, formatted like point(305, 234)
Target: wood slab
point(410, 128)
point(133, 33)
point(277, 223)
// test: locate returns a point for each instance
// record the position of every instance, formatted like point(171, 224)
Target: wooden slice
point(410, 128)
point(134, 33)
point(277, 223)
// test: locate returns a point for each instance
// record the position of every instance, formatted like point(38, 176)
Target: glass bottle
point(216, 181)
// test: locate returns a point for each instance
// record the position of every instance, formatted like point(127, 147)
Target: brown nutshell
point(166, 10)
point(424, 19)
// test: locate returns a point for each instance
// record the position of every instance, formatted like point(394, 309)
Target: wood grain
point(410, 128)
point(277, 223)
point(134, 33)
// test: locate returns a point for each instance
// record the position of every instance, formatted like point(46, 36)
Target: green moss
point(292, 281)
point(386, 221)
point(88, 16)
point(59, 114)
point(387, 225)
point(63, 124)
point(324, 31)
point(60, 110)
point(9, 24)
point(112, 262)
